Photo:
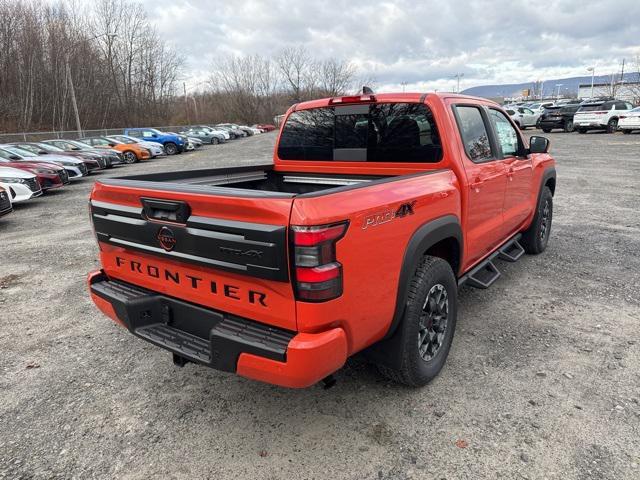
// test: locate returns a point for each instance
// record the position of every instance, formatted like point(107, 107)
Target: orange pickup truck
point(356, 239)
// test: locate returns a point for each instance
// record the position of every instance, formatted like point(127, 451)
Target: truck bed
point(262, 180)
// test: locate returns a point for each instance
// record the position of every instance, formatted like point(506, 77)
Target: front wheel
point(129, 157)
point(427, 326)
point(536, 238)
point(626, 131)
point(612, 125)
point(214, 141)
point(170, 148)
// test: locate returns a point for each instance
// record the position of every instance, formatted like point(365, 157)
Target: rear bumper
point(219, 340)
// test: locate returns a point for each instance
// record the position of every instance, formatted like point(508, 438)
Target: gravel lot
point(543, 380)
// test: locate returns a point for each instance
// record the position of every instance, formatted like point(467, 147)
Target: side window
point(528, 112)
point(507, 135)
point(146, 134)
point(135, 133)
point(474, 133)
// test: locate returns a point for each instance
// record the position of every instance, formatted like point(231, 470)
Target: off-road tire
point(536, 238)
point(129, 157)
point(170, 148)
point(431, 273)
point(612, 125)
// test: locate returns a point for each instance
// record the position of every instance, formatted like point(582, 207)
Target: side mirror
point(154, 135)
point(538, 144)
point(112, 144)
point(15, 157)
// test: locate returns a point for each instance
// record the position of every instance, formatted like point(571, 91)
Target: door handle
point(476, 184)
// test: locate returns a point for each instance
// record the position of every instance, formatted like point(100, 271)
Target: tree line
point(110, 57)
point(108, 54)
point(255, 88)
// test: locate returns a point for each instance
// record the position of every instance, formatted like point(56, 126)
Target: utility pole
point(593, 72)
point(458, 76)
point(73, 95)
point(186, 102)
point(404, 84)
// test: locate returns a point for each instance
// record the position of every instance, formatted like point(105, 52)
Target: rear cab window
point(474, 133)
point(376, 132)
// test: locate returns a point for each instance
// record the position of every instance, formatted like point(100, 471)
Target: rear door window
point(474, 133)
point(384, 132)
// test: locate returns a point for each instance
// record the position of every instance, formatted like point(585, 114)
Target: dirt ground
point(543, 379)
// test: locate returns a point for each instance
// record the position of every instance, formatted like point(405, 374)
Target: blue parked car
point(171, 142)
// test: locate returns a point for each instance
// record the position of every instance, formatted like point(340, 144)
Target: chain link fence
point(74, 135)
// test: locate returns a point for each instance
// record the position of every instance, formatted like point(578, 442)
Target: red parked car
point(48, 175)
point(267, 127)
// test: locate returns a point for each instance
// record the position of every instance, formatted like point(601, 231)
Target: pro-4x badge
point(383, 217)
point(166, 238)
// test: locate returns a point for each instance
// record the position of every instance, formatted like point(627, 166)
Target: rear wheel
point(428, 324)
point(546, 130)
point(568, 126)
point(626, 131)
point(612, 125)
point(170, 148)
point(535, 239)
point(582, 130)
point(129, 157)
point(214, 141)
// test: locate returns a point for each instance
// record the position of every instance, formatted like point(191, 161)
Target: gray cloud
point(422, 43)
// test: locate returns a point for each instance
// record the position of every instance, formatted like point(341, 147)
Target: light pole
point(458, 76)
point(558, 94)
point(404, 84)
point(593, 72)
point(72, 89)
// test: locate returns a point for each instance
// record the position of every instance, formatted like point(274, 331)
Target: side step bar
point(486, 273)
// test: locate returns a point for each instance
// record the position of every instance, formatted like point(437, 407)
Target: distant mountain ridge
point(569, 86)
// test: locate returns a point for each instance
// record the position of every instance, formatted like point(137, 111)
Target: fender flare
point(549, 173)
point(422, 239)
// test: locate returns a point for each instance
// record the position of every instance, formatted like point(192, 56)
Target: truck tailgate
point(226, 252)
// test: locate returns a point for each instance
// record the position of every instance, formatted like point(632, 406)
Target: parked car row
point(575, 115)
point(29, 169)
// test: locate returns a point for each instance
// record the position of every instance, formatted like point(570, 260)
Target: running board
point(511, 252)
point(486, 273)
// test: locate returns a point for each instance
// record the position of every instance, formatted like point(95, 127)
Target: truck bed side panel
point(371, 251)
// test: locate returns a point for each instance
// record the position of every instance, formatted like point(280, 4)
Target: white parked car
point(523, 117)
point(154, 148)
point(21, 185)
point(600, 115)
point(630, 121)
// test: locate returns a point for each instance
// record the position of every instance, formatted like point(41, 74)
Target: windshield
point(49, 148)
point(80, 145)
point(121, 139)
point(384, 132)
point(21, 151)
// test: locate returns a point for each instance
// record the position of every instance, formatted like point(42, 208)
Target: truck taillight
point(318, 275)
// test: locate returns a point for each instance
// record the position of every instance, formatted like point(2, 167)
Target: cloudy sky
point(422, 43)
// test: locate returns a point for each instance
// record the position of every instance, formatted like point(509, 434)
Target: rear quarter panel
point(371, 252)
